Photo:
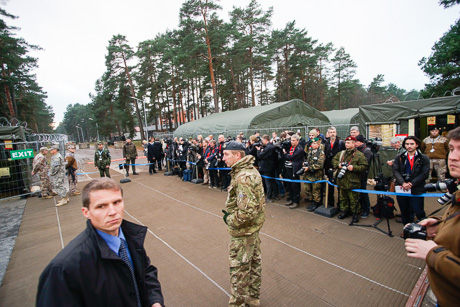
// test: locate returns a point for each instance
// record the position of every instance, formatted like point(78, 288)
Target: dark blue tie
point(123, 252)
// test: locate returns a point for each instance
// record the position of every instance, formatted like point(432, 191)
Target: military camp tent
point(342, 120)
point(293, 113)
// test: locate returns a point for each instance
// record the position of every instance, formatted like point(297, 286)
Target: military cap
point(233, 145)
point(433, 128)
point(99, 143)
point(350, 138)
point(44, 148)
point(71, 146)
point(316, 139)
point(360, 138)
point(55, 147)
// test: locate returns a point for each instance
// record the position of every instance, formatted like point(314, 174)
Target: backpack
point(384, 208)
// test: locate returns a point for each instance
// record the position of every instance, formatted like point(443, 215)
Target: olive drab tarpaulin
point(281, 114)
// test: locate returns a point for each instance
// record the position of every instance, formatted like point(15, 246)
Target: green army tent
point(342, 120)
point(293, 113)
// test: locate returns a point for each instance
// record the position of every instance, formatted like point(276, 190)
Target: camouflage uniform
point(71, 167)
point(57, 172)
point(41, 168)
point(315, 159)
point(246, 214)
point(102, 159)
point(351, 179)
point(130, 154)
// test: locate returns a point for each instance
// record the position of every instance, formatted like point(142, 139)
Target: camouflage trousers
point(245, 269)
point(45, 185)
point(72, 183)
point(128, 162)
point(58, 184)
point(104, 172)
point(440, 168)
point(349, 201)
point(313, 191)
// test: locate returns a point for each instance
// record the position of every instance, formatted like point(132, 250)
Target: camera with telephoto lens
point(382, 182)
point(374, 144)
point(302, 170)
point(344, 166)
point(449, 186)
point(286, 144)
point(414, 231)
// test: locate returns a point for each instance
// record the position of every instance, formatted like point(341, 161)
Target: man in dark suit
point(106, 264)
point(331, 148)
point(151, 156)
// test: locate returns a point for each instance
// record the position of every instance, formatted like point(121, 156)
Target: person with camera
point(266, 154)
point(211, 165)
point(293, 163)
point(313, 171)
point(442, 249)
point(364, 197)
point(410, 170)
point(333, 146)
point(350, 163)
point(223, 174)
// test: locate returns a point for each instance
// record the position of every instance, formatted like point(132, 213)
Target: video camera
point(374, 144)
point(382, 182)
point(449, 186)
point(286, 144)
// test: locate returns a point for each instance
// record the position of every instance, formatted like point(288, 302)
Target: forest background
point(210, 65)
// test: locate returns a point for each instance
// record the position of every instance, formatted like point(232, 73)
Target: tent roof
point(341, 117)
point(390, 112)
point(276, 115)
point(15, 133)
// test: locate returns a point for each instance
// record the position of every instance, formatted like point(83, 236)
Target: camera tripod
point(385, 209)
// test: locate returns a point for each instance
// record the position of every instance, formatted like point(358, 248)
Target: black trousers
point(272, 186)
point(152, 166)
point(294, 187)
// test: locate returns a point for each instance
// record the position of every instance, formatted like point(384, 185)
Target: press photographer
point(442, 249)
point(267, 156)
point(293, 163)
point(333, 146)
point(350, 163)
point(313, 171)
point(367, 152)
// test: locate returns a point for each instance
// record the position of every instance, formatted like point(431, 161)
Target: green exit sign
point(22, 154)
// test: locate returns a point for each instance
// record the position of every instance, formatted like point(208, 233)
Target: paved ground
point(308, 260)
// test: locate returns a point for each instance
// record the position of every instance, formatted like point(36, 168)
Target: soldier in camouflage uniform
point(102, 159)
point(41, 168)
point(130, 154)
point(57, 172)
point(244, 215)
point(356, 164)
point(71, 167)
point(314, 172)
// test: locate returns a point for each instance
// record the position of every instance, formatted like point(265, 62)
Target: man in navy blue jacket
point(106, 264)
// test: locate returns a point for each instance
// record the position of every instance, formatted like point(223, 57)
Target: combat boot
point(342, 215)
point(252, 302)
point(75, 193)
point(63, 201)
point(53, 193)
point(312, 206)
point(290, 202)
point(47, 196)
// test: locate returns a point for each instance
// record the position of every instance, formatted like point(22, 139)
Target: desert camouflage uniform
point(351, 180)
point(57, 172)
point(246, 208)
point(71, 167)
point(315, 159)
point(41, 168)
point(130, 154)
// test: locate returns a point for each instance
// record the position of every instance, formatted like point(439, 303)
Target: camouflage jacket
point(39, 164)
point(351, 179)
point(315, 161)
point(102, 159)
point(129, 151)
point(245, 200)
point(57, 165)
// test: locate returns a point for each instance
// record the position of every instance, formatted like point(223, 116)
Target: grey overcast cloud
point(383, 37)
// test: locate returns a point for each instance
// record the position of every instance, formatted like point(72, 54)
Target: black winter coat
point(339, 145)
point(88, 273)
point(267, 158)
point(296, 158)
point(420, 171)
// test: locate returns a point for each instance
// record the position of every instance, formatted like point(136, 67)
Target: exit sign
point(22, 154)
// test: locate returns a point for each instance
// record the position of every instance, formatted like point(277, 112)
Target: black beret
point(360, 138)
point(233, 145)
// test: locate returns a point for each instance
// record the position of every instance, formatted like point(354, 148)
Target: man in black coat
point(151, 156)
point(106, 264)
point(331, 148)
point(410, 170)
point(266, 155)
point(158, 152)
point(364, 197)
point(293, 162)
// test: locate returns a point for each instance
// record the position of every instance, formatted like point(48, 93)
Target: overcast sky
point(383, 37)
